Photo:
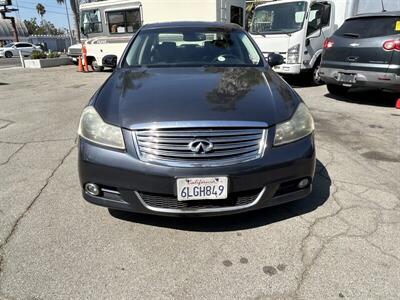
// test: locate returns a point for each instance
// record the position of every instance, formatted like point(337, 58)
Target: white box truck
point(297, 29)
point(109, 25)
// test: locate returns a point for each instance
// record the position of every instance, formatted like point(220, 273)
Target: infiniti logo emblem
point(200, 146)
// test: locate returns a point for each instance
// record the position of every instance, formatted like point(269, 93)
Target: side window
point(132, 20)
point(116, 22)
point(126, 21)
point(237, 15)
point(319, 17)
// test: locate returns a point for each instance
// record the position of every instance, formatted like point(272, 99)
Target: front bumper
point(288, 69)
point(132, 185)
point(378, 80)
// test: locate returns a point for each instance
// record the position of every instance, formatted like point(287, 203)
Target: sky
point(55, 13)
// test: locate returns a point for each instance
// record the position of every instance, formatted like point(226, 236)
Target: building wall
point(7, 32)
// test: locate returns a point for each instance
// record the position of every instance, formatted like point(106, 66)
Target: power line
point(45, 5)
point(47, 11)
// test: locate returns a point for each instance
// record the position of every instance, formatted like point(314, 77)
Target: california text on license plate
point(202, 188)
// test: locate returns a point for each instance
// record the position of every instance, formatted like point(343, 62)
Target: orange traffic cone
point(85, 62)
point(80, 67)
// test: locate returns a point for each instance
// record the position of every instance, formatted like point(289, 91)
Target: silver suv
point(365, 52)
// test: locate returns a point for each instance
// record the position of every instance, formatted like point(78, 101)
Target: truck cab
point(297, 30)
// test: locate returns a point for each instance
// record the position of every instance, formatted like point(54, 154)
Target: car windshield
point(192, 47)
point(279, 18)
point(9, 45)
point(91, 21)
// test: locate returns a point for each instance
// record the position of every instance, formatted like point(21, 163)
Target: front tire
point(96, 67)
point(315, 78)
point(8, 54)
point(337, 89)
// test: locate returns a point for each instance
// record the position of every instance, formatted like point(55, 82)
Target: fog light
point(303, 183)
point(92, 189)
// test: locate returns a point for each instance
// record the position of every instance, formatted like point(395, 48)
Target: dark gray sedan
point(194, 121)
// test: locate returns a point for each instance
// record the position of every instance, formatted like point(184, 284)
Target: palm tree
point(75, 10)
point(41, 10)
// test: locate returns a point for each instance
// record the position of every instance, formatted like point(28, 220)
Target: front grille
point(161, 201)
point(175, 146)
point(74, 51)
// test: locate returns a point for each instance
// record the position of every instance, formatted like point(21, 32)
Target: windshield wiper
point(257, 33)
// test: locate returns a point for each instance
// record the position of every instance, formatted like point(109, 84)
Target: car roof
point(191, 24)
point(380, 14)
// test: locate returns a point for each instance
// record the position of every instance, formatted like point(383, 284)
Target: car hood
point(131, 97)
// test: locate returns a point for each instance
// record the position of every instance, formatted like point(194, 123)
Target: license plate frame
point(347, 78)
point(202, 188)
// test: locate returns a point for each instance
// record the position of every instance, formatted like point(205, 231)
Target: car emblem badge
point(200, 146)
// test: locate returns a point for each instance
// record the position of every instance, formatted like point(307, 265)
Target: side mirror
point(275, 59)
point(110, 61)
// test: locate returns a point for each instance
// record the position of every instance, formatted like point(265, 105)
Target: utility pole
point(3, 10)
point(69, 24)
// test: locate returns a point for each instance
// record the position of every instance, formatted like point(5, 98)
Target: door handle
point(352, 58)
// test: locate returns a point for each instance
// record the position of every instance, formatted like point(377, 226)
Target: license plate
point(347, 78)
point(202, 188)
point(74, 59)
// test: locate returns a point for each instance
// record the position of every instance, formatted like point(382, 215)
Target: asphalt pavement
point(13, 62)
point(342, 241)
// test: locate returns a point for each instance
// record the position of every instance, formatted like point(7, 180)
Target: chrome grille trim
point(214, 140)
point(201, 210)
point(170, 146)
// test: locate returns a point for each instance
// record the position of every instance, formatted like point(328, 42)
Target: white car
point(13, 49)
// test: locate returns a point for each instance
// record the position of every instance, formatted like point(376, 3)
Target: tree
point(41, 10)
point(75, 10)
point(32, 26)
point(45, 27)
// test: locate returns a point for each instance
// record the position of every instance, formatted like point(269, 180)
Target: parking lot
point(6, 63)
point(340, 242)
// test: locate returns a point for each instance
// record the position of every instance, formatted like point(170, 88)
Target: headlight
point(293, 55)
point(300, 125)
point(93, 128)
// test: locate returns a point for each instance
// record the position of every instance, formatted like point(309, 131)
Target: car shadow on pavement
point(320, 193)
point(367, 97)
point(296, 81)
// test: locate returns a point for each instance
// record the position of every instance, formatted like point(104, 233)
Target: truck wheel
point(337, 89)
point(315, 77)
point(8, 54)
point(96, 67)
